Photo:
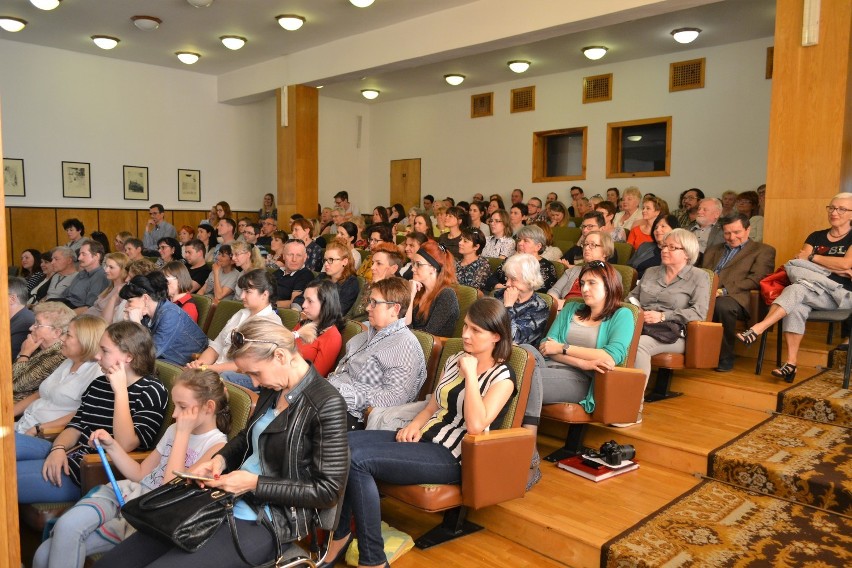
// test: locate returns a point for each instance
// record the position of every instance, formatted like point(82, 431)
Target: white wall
point(719, 139)
point(59, 105)
point(343, 165)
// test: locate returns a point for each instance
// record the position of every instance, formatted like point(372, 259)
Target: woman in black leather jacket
point(290, 463)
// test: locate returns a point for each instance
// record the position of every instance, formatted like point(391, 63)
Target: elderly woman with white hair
point(531, 240)
point(527, 310)
point(676, 291)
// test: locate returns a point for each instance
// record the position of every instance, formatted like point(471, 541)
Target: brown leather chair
point(495, 464)
point(703, 344)
point(618, 396)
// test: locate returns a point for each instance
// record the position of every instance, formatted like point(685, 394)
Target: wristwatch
point(662, 317)
point(38, 429)
point(811, 256)
point(565, 347)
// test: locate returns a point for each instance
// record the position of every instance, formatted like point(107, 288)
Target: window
point(559, 155)
point(639, 148)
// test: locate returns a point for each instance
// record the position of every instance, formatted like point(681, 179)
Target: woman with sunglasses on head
point(176, 337)
point(500, 244)
point(223, 277)
point(339, 269)
point(472, 270)
point(41, 352)
point(434, 304)
point(180, 286)
point(472, 393)
point(598, 246)
point(321, 307)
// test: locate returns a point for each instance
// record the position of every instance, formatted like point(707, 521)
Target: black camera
point(614, 454)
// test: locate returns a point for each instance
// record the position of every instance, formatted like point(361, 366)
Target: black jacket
point(304, 456)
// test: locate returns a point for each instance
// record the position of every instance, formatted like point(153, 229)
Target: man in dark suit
point(741, 264)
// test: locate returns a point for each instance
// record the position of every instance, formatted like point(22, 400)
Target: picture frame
point(136, 183)
point(13, 177)
point(77, 180)
point(189, 185)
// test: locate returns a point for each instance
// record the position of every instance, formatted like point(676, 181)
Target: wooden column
point(810, 129)
point(298, 154)
point(10, 550)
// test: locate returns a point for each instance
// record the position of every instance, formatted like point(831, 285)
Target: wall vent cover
point(523, 99)
point(597, 88)
point(481, 105)
point(685, 75)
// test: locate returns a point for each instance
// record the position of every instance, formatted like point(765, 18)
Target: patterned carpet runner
point(820, 398)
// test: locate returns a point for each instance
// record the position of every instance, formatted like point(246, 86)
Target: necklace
point(839, 236)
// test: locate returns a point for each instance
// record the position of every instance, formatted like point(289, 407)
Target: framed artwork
point(13, 177)
point(136, 183)
point(77, 179)
point(189, 185)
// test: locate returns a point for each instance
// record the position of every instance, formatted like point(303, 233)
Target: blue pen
point(109, 473)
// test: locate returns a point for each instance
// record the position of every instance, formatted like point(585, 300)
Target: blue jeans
point(239, 379)
point(377, 456)
point(30, 453)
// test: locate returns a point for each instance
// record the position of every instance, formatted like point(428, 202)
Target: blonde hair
point(266, 336)
point(634, 191)
point(256, 259)
point(89, 329)
point(121, 260)
point(58, 314)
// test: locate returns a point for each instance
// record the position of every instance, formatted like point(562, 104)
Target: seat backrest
point(466, 296)
point(432, 347)
point(563, 245)
point(224, 311)
point(350, 330)
point(566, 234)
point(623, 252)
point(714, 284)
point(167, 373)
point(362, 283)
point(241, 402)
point(494, 262)
point(204, 304)
point(628, 278)
point(551, 305)
point(559, 268)
point(289, 317)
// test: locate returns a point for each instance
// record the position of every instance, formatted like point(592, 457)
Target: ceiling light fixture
point(454, 79)
point(105, 42)
point(12, 24)
point(594, 52)
point(361, 3)
point(290, 22)
point(146, 23)
point(187, 57)
point(200, 3)
point(45, 4)
point(685, 35)
point(370, 94)
point(635, 137)
point(519, 65)
point(233, 42)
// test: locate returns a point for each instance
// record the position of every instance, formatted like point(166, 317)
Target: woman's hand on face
point(117, 376)
point(652, 316)
point(510, 296)
point(133, 314)
point(239, 481)
point(30, 345)
point(416, 286)
point(186, 419)
point(103, 437)
point(54, 465)
point(467, 366)
point(216, 268)
point(408, 434)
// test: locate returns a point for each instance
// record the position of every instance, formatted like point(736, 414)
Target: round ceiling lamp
point(635, 137)
point(200, 3)
point(105, 42)
point(519, 65)
point(685, 35)
point(45, 4)
point(454, 79)
point(233, 42)
point(370, 94)
point(187, 57)
point(290, 22)
point(146, 23)
point(361, 3)
point(594, 52)
point(12, 24)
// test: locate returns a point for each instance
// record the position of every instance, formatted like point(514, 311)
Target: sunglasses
point(238, 339)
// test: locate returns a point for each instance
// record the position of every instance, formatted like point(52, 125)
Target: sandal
point(786, 372)
point(748, 337)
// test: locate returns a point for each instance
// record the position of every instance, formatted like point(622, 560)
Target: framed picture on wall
point(189, 185)
point(77, 179)
point(13, 177)
point(136, 183)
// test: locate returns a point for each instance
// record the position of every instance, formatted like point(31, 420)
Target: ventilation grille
point(523, 99)
point(685, 75)
point(481, 105)
point(597, 88)
point(770, 61)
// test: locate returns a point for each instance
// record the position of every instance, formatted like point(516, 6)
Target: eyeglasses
point(840, 210)
point(591, 245)
point(38, 325)
point(670, 248)
point(419, 264)
point(493, 221)
point(238, 339)
point(373, 303)
point(375, 241)
point(329, 260)
point(589, 227)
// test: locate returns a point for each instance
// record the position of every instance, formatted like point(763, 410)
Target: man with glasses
point(688, 206)
point(21, 317)
point(577, 193)
point(267, 227)
point(341, 199)
point(383, 366)
point(251, 233)
point(157, 228)
point(535, 212)
point(592, 221)
point(294, 276)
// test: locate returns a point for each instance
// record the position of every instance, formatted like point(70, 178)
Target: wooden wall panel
point(112, 221)
point(89, 217)
point(191, 218)
point(8, 215)
point(298, 154)
point(32, 228)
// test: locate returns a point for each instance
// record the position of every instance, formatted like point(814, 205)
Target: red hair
point(446, 276)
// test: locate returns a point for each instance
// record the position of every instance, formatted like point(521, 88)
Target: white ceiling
point(186, 28)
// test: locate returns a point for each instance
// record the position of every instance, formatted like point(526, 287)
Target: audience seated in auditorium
point(246, 257)
point(608, 210)
point(223, 277)
point(472, 270)
point(157, 227)
point(649, 254)
point(30, 269)
point(303, 230)
point(180, 285)
point(226, 230)
point(267, 209)
point(20, 318)
point(75, 231)
point(293, 276)
point(339, 268)
point(535, 211)
point(557, 215)
point(412, 243)
point(706, 227)
point(592, 221)
point(350, 210)
point(90, 281)
point(199, 271)
point(133, 268)
point(39, 291)
point(729, 203)
point(377, 235)
point(551, 253)
point(434, 304)
point(531, 240)
point(133, 249)
point(347, 235)
point(386, 261)
point(748, 203)
point(630, 212)
point(115, 269)
point(321, 307)
point(688, 210)
point(267, 227)
point(64, 272)
point(527, 310)
point(455, 220)
point(500, 244)
point(169, 249)
point(207, 235)
point(185, 234)
point(652, 207)
point(517, 217)
point(598, 247)
point(40, 352)
point(251, 233)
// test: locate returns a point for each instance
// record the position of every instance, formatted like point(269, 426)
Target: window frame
point(539, 161)
point(614, 149)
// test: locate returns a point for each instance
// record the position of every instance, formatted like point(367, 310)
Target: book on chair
point(595, 469)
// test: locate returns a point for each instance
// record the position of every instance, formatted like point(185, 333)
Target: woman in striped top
point(472, 393)
point(128, 402)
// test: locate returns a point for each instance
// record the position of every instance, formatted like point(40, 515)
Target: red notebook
point(583, 467)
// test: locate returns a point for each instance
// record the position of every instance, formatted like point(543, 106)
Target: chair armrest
point(703, 344)
point(92, 472)
point(495, 466)
point(52, 432)
point(618, 395)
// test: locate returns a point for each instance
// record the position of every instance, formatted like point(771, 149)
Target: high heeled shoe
point(786, 372)
point(748, 337)
point(330, 563)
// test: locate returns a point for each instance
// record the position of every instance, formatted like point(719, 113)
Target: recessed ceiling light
point(635, 137)
point(361, 3)
point(594, 52)
point(45, 4)
point(320, 86)
point(200, 3)
point(146, 23)
point(233, 42)
point(518, 65)
point(454, 79)
point(105, 42)
point(290, 22)
point(12, 24)
point(187, 57)
point(685, 35)
point(370, 94)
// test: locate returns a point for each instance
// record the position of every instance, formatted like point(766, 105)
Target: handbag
point(664, 331)
point(772, 286)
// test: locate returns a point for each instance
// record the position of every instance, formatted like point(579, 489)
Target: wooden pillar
point(810, 132)
point(10, 551)
point(297, 151)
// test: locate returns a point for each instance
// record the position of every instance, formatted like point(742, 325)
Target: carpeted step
point(819, 398)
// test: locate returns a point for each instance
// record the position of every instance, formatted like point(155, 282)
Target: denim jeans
point(377, 456)
point(30, 453)
point(239, 379)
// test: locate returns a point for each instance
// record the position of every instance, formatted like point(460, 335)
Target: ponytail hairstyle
point(207, 385)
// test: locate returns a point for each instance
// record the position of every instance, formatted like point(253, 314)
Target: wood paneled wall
point(41, 227)
point(298, 152)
